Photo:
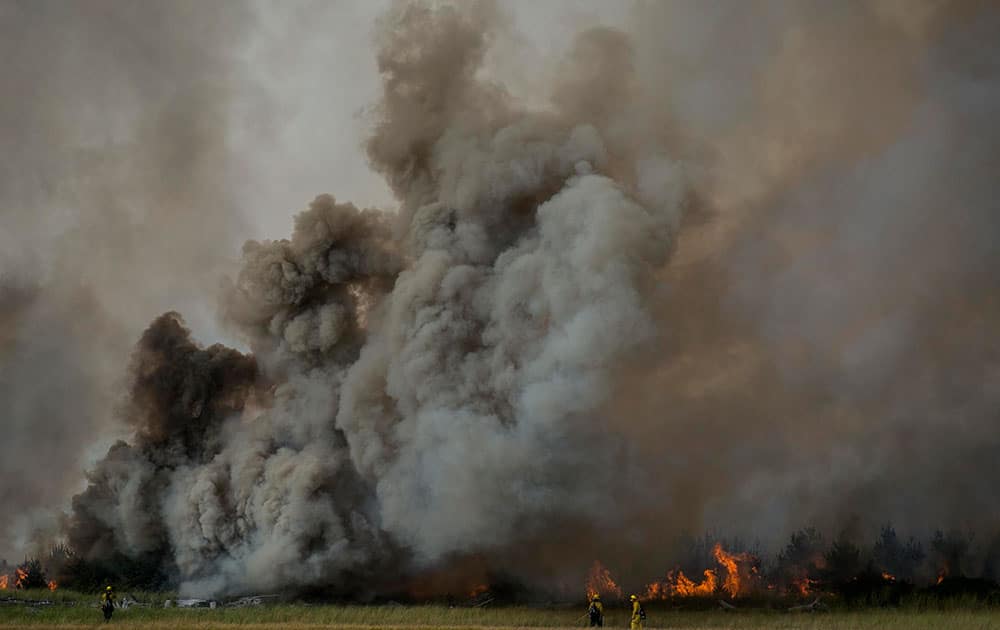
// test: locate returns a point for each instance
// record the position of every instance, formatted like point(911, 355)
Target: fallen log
point(190, 603)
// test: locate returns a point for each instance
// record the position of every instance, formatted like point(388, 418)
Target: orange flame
point(803, 586)
point(942, 574)
point(476, 591)
point(3, 582)
point(680, 585)
point(888, 577)
point(22, 578)
point(685, 587)
point(52, 585)
point(600, 582)
point(657, 590)
point(734, 583)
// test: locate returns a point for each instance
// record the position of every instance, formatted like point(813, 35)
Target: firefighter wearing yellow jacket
point(638, 614)
point(108, 603)
point(596, 612)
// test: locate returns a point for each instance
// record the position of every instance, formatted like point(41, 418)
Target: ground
point(79, 611)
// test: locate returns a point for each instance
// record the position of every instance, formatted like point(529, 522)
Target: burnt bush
point(144, 573)
point(31, 575)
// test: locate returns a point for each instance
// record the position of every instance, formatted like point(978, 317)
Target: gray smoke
point(114, 206)
point(737, 270)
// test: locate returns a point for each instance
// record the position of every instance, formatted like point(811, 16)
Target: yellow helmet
point(596, 596)
point(633, 597)
point(108, 589)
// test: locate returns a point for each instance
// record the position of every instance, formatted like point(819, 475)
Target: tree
point(798, 566)
point(898, 559)
point(30, 575)
point(843, 560)
point(951, 551)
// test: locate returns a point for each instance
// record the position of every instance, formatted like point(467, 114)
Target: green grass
point(76, 610)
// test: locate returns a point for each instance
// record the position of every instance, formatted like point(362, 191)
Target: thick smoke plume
point(736, 268)
point(437, 375)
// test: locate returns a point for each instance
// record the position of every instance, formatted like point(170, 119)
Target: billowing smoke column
point(427, 380)
point(506, 372)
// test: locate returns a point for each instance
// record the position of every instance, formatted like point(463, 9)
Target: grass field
point(78, 611)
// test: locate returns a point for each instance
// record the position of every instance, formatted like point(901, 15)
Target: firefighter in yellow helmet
point(596, 611)
point(638, 614)
point(107, 603)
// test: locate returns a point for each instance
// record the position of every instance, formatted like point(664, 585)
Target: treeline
point(948, 562)
point(807, 564)
point(69, 570)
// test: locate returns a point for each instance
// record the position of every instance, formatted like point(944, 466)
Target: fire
point(22, 578)
point(684, 586)
point(803, 586)
point(942, 574)
point(888, 577)
point(657, 590)
point(52, 585)
point(733, 584)
point(679, 585)
point(740, 571)
point(3, 582)
point(476, 591)
point(600, 582)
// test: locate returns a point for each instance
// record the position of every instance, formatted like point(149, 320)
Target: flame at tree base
point(738, 575)
point(738, 569)
point(803, 586)
point(600, 582)
point(22, 578)
point(478, 590)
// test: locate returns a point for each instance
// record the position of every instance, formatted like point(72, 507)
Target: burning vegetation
point(29, 575)
point(738, 573)
point(807, 568)
point(739, 576)
point(600, 582)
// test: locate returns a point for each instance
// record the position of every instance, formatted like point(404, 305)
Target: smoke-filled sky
point(495, 282)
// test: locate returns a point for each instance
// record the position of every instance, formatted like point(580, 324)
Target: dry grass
point(81, 612)
point(694, 621)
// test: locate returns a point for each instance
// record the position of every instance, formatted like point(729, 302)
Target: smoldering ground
point(737, 270)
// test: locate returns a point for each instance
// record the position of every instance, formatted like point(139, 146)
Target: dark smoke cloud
point(739, 271)
point(179, 398)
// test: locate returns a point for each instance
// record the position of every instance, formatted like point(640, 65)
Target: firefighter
point(638, 614)
point(107, 603)
point(596, 611)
